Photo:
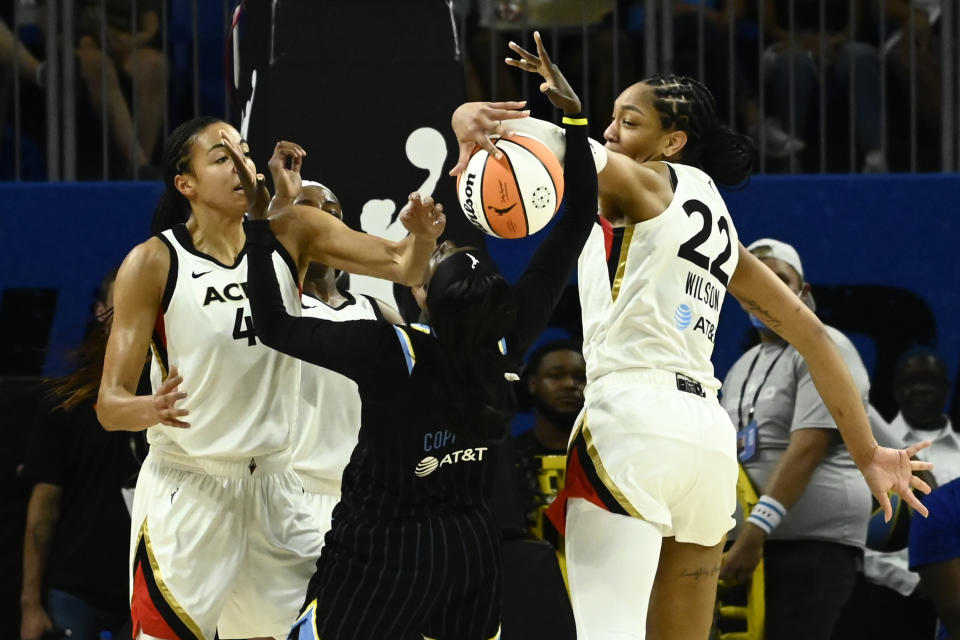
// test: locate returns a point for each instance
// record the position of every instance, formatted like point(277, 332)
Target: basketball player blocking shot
point(652, 466)
point(414, 550)
point(219, 523)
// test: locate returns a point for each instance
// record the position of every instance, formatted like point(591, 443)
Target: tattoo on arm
point(763, 314)
point(700, 572)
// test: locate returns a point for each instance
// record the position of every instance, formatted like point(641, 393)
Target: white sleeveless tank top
point(325, 432)
point(651, 292)
point(242, 396)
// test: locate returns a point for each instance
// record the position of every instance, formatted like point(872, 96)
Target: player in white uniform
point(650, 484)
point(329, 421)
point(219, 524)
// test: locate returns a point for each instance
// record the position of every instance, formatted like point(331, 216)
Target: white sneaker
point(777, 143)
point(875, 162)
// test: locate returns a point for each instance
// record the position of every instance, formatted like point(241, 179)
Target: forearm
point(413, 258)
point(119, 409)
point(840, 394)
point(36, 550)
point(150, 24)
point(539, 288)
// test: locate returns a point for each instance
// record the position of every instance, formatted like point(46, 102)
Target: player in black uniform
point(414, 550)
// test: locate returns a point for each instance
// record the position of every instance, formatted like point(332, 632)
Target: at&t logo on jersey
point(682, 316)
point(430, 464)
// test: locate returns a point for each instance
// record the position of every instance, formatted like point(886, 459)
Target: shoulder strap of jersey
point(406, 345)
point(166, 238)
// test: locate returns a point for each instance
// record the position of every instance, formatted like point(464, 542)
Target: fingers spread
point(915, 504)
point(917, 483)
point(466, 150)
point(914, 448)
point(487, 144)
point(526, 55)
point(884, 501)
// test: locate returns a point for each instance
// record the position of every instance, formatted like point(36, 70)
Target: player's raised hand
point(165, 400)
point(254, 186)
point(554, 85)
point(892, 470)
point(474, 122)
point(423, 217)
point(285, 165)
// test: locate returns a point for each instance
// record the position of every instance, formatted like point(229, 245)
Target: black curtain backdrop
point(367, 87)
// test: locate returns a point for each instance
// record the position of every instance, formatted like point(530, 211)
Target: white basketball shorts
point(225, 543)
point(644, 448)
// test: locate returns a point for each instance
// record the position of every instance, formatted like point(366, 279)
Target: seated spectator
point(718, 68)
point(75, 561)
point(925, 72)
point(134, 49)
point(100, 85)
point(554, 377)
point(28, 68)
point(841, 54)
point(935, 554)
point(809, 526)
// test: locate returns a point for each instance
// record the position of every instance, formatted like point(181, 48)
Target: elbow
point(269, 333)
point(105, 413)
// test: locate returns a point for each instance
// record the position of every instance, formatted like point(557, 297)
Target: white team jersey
point(651, 292)
point(329, 421)
point(242, 396)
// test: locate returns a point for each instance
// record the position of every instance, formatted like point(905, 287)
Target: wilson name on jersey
point(326, 429)
point(651, 292)
point(242, 396)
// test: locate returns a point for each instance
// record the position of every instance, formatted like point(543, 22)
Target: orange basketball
point(515, 196)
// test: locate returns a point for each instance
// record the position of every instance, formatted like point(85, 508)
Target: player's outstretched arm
point(311, 236)
point(761, 292)
point(137, 295)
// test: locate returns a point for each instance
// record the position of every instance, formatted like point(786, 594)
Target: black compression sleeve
point(355, 348)
point(538, 290)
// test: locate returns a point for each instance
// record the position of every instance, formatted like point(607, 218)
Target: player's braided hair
point(687, 105)
point(173, 207)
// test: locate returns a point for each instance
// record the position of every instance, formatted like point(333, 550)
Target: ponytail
point(728, 156)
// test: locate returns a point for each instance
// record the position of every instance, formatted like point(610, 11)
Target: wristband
point(767, 514)
point(576, 121)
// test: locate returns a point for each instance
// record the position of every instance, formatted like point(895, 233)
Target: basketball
point(513, 197)
point(889, 536)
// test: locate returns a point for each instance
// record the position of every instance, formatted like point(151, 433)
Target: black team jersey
point(414, 550)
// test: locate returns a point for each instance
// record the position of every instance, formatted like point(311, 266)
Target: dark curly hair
point(684, 104)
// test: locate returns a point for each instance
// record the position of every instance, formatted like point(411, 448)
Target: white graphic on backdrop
point(248, 107)
point(425, 149)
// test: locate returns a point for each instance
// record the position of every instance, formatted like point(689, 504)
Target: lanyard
point(743, 389)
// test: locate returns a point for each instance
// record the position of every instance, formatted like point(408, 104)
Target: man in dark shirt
point(554, 377)
point(78, 526)
point(75, 564)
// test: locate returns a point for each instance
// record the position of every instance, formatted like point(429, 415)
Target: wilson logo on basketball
point(430, 464)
